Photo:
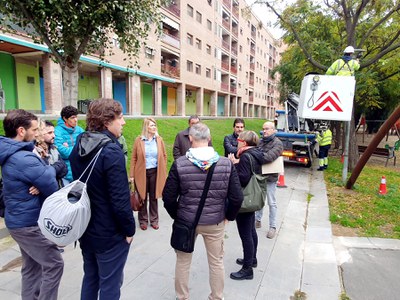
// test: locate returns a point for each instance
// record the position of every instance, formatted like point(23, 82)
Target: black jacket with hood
point(108, 189)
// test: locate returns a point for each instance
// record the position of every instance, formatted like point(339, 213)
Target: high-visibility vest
point(325, 138)
point(342, 68)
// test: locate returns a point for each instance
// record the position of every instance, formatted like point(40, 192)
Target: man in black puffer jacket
point(181, 198)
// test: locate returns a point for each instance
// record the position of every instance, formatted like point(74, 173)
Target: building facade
point(214, 58)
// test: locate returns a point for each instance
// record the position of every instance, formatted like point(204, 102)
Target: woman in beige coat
point(149, 171)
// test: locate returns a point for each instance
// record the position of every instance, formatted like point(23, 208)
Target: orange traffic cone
point(281, 181)
point(382, 187)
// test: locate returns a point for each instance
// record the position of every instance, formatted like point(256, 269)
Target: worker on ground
point(345, 66)
point(324, 140)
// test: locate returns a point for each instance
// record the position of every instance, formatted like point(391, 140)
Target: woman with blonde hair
point(148, 171)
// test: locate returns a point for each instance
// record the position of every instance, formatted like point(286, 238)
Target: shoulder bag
point(184, 233)
point(255, 191)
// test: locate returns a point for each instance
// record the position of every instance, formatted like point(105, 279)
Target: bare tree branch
point(377, 24)
point(40, 31)
point(389, 76)
point(379, 55)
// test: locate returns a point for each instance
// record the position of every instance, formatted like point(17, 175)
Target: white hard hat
point(349, 49)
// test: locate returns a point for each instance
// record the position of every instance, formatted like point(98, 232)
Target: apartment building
point(212, 59)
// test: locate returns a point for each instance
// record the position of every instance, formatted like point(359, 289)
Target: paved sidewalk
point(301, 257)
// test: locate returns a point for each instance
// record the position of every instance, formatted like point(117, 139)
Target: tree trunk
point(353, 147)
point(70, 86)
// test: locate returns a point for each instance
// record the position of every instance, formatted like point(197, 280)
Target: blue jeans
point(248, 235)
point(104, 272)
point(271, 187)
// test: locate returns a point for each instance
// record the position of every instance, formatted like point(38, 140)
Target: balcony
point(251, 82)
point(225, 45)
point(227, 3)
point(234, 51)
point(253, 51)
point(251, 98)
point(233, 90)
point(174, 9)
point(225, 65)
point(226, 24)
point(253, 34)
point(235, 31)
point(171, 40)
point(252, 66)
point(225, 87)
point(233, 70)
point(235, 11)
point(170, 71)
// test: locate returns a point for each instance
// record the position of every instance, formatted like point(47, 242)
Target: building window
point(190, 39)
point(208, 73)
point(208, 49)
point(198, 69)
point(209, 2)
point(189, 66)
point(240, 49)
point(209, 24)
point(149, 52)
point(189, 10)
point(198, 44)
point(198, 17)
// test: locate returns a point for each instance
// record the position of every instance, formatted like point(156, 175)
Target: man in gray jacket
point(272, 148)
point(181, 198)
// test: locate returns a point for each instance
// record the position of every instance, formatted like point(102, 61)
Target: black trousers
point(248, 235)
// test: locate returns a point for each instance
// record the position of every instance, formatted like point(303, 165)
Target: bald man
point(272, 148)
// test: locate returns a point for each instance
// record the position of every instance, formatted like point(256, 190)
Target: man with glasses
point(272, 148)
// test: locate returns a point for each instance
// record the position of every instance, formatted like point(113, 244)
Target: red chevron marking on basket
point(329, 102)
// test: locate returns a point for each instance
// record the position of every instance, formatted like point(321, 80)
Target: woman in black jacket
point(250, 158)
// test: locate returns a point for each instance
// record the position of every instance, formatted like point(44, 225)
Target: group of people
point(38, 158)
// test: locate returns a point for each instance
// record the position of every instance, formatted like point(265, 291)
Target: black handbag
point(184, 233)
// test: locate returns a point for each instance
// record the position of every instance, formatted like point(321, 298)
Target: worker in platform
point(346, 65)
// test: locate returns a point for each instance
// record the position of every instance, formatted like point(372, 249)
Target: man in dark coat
point(230, 141)
point(28, 180)
point(182, 142)
point(181, 196)
point(106, 241)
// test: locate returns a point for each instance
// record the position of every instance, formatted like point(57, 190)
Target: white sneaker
point(271, 233)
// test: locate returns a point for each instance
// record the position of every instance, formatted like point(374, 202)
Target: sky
point(267, 17)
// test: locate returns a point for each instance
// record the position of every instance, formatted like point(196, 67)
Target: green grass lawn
point(363, 209)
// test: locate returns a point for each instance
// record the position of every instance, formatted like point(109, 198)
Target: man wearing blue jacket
point(66, 132)
point(27, 182)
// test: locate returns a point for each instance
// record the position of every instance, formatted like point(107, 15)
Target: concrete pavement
point(301, 257)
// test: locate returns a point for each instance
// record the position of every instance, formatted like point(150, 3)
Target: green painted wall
point(221, 106)
point(191, 104)
point(206, 104)
point(88, 87)
point(7, 77)
point(147, 99)
point(28, 93)
point(164, 103)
